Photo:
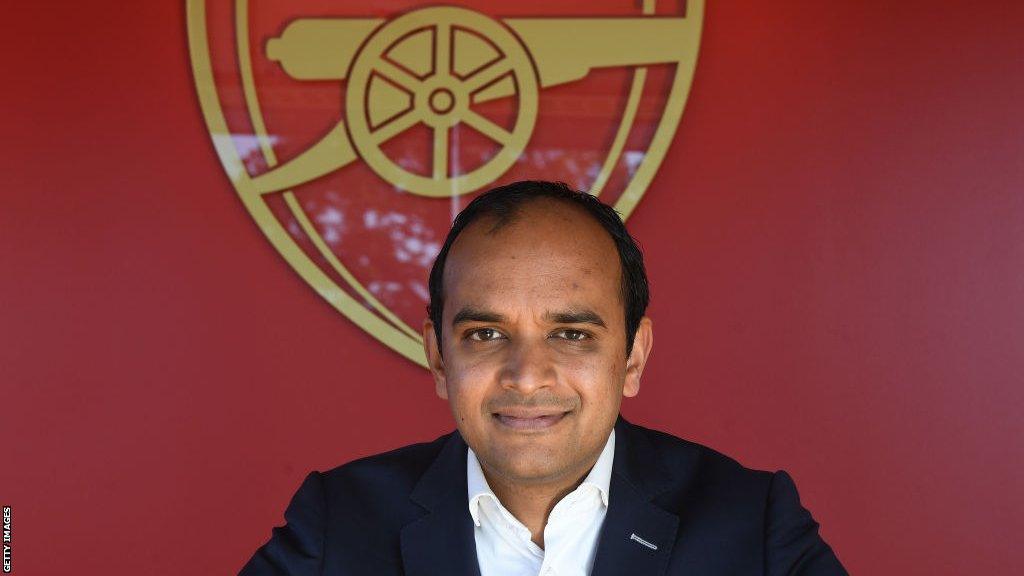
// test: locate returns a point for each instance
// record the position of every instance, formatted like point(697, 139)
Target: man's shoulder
point(370, 496)
point(393, 472)
point(680, 451)
point(698, 469)
point(718, 500)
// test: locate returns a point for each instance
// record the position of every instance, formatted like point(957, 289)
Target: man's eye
point(573, 334)
point(484, 334)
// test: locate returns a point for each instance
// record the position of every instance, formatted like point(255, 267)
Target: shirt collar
point(600, 477)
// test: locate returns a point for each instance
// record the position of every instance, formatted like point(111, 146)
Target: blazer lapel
point(442, 541)
point(637, 536)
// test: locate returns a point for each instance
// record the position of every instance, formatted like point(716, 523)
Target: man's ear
point(642, 344)
point(434, 361)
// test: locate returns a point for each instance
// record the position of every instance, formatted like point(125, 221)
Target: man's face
point(534, 359)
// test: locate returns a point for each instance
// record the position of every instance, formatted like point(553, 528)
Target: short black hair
point(505, 202)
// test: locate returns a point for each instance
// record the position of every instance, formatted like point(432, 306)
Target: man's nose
point(528, 367)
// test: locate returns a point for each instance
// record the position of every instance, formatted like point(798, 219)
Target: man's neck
point(532, 503)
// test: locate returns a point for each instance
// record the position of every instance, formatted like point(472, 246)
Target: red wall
point(835, 243)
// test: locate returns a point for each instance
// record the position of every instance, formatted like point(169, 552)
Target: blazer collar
point(638, 462)
point(442, 541)
point(637, 535)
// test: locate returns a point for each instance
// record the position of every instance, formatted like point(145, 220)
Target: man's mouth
point(529, 419)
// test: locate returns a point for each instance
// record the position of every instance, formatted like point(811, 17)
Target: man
point(536, 331)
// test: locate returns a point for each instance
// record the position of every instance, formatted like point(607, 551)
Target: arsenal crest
point(354, 132)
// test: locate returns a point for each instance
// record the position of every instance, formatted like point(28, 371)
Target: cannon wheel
point(438, 94)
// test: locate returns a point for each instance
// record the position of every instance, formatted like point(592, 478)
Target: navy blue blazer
point(407, 512)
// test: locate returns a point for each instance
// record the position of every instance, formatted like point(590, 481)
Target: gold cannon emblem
point(428, 68)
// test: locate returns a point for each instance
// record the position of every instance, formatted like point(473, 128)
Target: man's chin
point(527, 465)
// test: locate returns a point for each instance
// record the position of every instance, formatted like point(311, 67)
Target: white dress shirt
point(503, 544)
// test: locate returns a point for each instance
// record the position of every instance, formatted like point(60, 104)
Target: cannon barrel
point(563, 49)
point(320, 48)
point(566, 49)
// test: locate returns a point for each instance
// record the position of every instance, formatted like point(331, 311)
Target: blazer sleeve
point(792, 544)
point(295, 549)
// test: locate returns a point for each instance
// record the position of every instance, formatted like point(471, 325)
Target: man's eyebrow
point(582, 316)
point(468, 314)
